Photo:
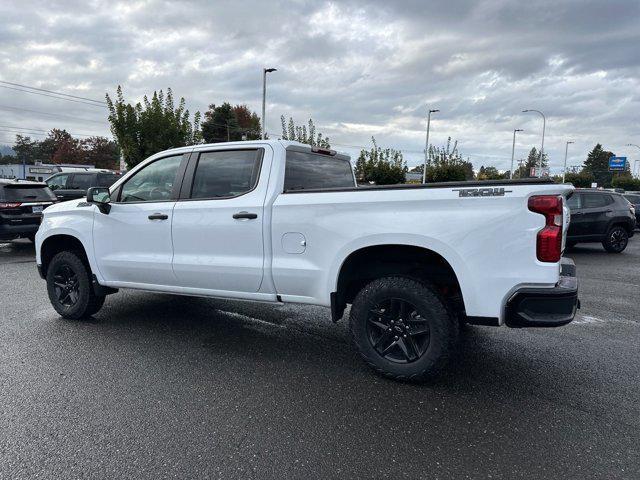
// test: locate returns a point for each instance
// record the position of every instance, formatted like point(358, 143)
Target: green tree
point(380, 166)
point(27, 150)
point(626, 181)
point(101, 152)
point(149, 127)
point(224, 123)
point(597, 164)
point(491, 173)
point(220, 124)
point(290, 131)
point(445, 164)
point(532, 160)
point(248, 122)
point(581, 179)
point(59, 143)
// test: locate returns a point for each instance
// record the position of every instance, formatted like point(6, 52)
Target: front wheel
point(402, 328)
point(69, 287)
point(616, 240)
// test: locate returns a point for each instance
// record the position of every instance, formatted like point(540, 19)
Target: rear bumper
point(9, 232)
point(545, 307)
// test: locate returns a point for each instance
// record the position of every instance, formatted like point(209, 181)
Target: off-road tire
point(86, 301)
point(442, 324)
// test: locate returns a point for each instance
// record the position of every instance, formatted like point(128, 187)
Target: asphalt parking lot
point(158, 386)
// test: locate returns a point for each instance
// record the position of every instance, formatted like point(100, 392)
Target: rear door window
point(106, 179)
point(574, 202)
point(306, 171)
point(226, 174)
point(595, 200)
point(82, 181)
point(58, 182)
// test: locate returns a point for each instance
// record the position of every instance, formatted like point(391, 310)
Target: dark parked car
point(21, 205)
point(634, 199)
point(600, 216)
point(72, 185)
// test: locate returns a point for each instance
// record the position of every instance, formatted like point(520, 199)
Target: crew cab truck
point(283, 222)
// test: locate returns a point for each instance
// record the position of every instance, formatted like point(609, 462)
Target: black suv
point(634, 199)
point(21, 205)
point(600, 216)
point(72, 185)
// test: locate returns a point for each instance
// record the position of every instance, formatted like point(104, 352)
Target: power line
point(51, 91)
point(19, 109)
point(53, 96)
point(30, 130)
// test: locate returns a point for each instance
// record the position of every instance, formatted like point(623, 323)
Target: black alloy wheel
point(403, 328)
point(69, 286)
point(66, 285)
point(397, 331)
point(617, 240)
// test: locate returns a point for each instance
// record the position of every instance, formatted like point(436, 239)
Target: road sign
point(617, 164)
point(539, 172)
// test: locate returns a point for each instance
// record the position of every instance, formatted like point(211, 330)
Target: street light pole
point(513, 150)
point(544, 127)
point(426, 148)
point(264, 99)
point(566, 150)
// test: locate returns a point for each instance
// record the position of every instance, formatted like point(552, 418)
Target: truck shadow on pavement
point(290, 342)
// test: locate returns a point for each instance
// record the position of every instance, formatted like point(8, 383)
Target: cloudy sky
point(358, 68)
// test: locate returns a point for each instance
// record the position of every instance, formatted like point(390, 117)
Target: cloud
point(358, 68)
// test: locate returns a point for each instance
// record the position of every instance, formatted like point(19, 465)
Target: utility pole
point(264, 99)
point(513, 150)
point(426, 148)
point(566, 150)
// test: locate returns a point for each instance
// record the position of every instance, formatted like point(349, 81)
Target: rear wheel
point(69, 287)
point(402, 328)
point(616, 240)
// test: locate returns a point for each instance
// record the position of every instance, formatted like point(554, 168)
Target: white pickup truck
point(283, 222)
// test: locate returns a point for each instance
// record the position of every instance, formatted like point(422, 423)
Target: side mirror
point(100, 197)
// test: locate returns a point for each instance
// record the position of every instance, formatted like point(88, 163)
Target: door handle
point(158, 216)
point(247, 215)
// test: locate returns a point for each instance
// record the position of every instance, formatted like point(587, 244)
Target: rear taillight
point(5, 206)
point(549, 241)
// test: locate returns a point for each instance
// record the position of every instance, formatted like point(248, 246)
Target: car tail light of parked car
point(6, 206)
point(549, 241)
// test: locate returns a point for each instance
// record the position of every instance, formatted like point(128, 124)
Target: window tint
point(633, 198)
point(26, 193)
point(154, 183)
point(595, 200)
point(226, 174)
point(307, 171)
point(82, 181)
point(106, 179)
point(58, 181)
point(574, 201)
